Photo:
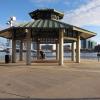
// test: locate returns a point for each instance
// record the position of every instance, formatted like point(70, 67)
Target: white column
point(73, 51)
point(38, 47)
point(28, 48)
point(78, 50)
point(13, 51)
point(57, 51)
point(61, 48)
point(21, 51)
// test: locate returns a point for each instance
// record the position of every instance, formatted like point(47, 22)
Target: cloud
point(2, 27)
point(41, 1)
point(87, 14)
point(75, 2)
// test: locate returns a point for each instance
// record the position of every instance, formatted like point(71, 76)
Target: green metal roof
point(54, 24)
point(45, 24)
point(48, 25)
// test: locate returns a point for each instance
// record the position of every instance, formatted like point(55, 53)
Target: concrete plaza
point(72, 81)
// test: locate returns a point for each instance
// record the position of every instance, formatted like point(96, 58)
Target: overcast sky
point(82, 13)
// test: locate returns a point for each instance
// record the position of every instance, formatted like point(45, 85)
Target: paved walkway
point(43, 80)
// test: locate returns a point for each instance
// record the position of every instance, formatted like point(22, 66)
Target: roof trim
point(83, 30)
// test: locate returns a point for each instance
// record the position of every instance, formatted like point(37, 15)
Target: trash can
point(7, 58)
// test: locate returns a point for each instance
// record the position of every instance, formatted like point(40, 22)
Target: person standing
point(42, 55)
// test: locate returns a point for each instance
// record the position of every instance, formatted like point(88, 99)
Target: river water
point(92, 56)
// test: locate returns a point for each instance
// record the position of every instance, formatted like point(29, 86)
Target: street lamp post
point(10, 23)
point(9, 42)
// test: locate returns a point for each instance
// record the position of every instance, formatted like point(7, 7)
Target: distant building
point(67, 47)
point(47, 47)
point(53, 47)
point(2, 47)
point(88, 44)
point(33, 46)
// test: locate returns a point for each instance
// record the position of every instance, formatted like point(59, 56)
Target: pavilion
point(46, 28)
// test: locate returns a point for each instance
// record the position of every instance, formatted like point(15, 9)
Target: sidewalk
point(45, 80)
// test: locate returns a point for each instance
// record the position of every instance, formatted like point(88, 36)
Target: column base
point(60, 64)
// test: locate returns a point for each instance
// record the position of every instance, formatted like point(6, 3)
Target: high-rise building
point(88, 44)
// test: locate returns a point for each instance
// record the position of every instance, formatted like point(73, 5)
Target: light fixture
point(11, 20)
point(26, 30)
